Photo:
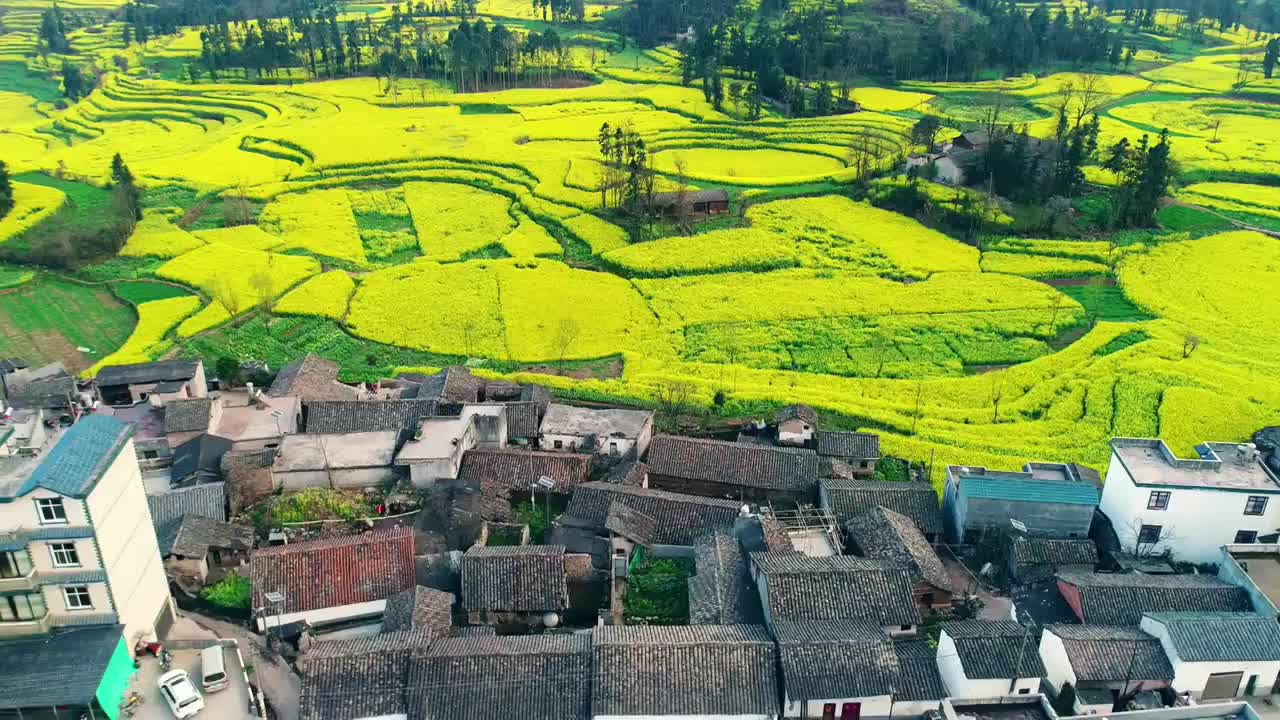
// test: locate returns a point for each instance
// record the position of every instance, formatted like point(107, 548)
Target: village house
point(312, 378)
point(76, 543)
point(1048, 500)
point(1033, 560)
point(1122, 599)
point(1254, 568)
point(360, 678)
point(721, 591)
point(186, 419)
point(628, 529)
point(1217, 655)
point(613, 432)
point(166, 379)
point(49, 388)
point(360, 572)
point(349, 460)
point(81, 669)
point(253, 420)
point(529, 677)
point(845, 499)
point(507, 475)
point(857, 453)
point(738, 471)
point(655, 671)
point(352, 416)
point(1189, 508)
point(796, 587)
point(207, 500)
point(506, 584)
point(435, 453)
point(919, 688)
point(985, 659)
point(836, 668)
point(796, 425)
point(700, 203)
point(419, 608)
point(248, 477)
point(679, 520)
point(1103, 663)
point(198, 460)
point(202, 549)
point(882, 534)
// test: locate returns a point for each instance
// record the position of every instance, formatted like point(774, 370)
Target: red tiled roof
point(335, 572)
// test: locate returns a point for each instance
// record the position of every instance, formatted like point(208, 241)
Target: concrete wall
point(324, 615)
point(1230, 570)
point(796, 433)
point(338, 478)
point(876, 706)
point(1057, 666)
point(1192, 676)
point(960, 686)
point(1056, 520)
point(127, 544)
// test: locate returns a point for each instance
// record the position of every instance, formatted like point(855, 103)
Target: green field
point(49, 320)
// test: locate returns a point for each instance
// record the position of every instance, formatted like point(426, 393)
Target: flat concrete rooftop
point(1218, 466)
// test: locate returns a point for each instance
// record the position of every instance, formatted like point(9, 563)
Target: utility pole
point(1022, 651)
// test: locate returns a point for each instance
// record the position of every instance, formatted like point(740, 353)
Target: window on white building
point(1149, 535)
point(1158, 500)
point(1255, 505)
point(14, 564)
point(22, 608)
point(77, 597)
point(64, 555)
point(52, 512)
point(1244, 537)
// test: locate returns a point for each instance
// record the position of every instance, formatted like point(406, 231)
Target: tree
point(263, 282)
point(125, 188)
point(1271, 57)
point(73, 82)
point(227, 367)
point(223, 292)
point(1189, 345)
point(6, 190)
point(997, 394)
point(566, 334)
point(52, 34)
point(1146, 544)
point(671, 400)
point(925, 131)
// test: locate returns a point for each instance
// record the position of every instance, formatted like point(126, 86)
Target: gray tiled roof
point(1122, 599)
point(522, 677)
point(840, 587)
point(731, 463)
point(187, 415)
point(835, 659)
point(509, 470)
point(208, 500)
point(918, 676)
point(883, 534)
point(916, 500)
point(360, 677)
point(193, 535)
point(628, 472)
point(1221, 636)
point(721, 591)
point(991, 650)
point(453, 384)
point(1045, 551)
point(1105, 653)
point(76, 463)
point(49, 386)
point(851, 445)
point(630, 524)
point(803, 413)
point(680, 518)
point(419, 608)
point(522, 419)
point(514, 578)
point(311, 378)
point(63, 668)
point(684, 670)
point(201, 455)
point(349, 416)
point(146, 372)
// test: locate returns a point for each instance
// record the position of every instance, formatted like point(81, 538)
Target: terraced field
point(409, 228)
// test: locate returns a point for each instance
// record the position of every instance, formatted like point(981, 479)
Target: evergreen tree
point(6, 190)
point(52, 34)
point(73, 82)
point(1270, 57)
point(125, 188)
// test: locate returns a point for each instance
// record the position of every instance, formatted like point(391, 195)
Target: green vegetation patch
point(1105, 303)
point(48, 319)
point(1179, 218)
point(658, 591)
point(138, 292)
point(231, 592)
point(1121, 342)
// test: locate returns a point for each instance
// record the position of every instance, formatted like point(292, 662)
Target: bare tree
point(915, 416)
point(566, 333)
point(1091, 96)
point(683, 205)
point(991, 115)
point(468, 335)
point(672, 400)
point(263, 282)
point(997, 394)
point(236, 209)
point(863, 153)
point(1133, 538)
point(223, 293)
point(1189, 345)
point(1055, 307)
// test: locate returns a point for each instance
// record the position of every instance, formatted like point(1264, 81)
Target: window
point(1159, 500)
point(906, 628)
point(64, 555)
point(1244, 537)
point(559, 444)
point(150, 454)
point(51, 511)
point(14, 564)
point(77, 597)
point(1149, 535)
point(21, 608)
point(1255, 505)
point(1024, 691)
point(613, 449)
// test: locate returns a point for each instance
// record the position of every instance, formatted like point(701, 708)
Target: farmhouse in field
point(156, 382)
point(695, 202)
point(49, 387)
point(1159, 503)
point(312, 378)
point(1047, 499)
point(611, 432)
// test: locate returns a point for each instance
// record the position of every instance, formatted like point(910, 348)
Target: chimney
point(249, 386)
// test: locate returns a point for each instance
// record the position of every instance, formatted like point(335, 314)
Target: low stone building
point(883, 534)
point(613, 432)
point(796, 588)
point(520, 583)
point(352, 460)
point(737, 471)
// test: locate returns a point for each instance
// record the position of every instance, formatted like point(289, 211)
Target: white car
point(181, 694)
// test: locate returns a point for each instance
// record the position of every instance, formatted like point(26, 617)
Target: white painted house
point(435, 453)
point(1190, 508)
point(77, 546)
point(983, 659)
point(1218, 656)
point(840, 667)
point(1104, 663)
point(604, 431)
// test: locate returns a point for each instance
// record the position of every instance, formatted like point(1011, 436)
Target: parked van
point(213, 669)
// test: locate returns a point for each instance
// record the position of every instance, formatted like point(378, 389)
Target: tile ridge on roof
point(683, 635)
point(525, 452)
point(656, 493)
point(863, 484)
point(381, 535)
point(746, 447)
point(515, 550)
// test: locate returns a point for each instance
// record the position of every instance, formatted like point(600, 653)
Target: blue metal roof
point(79, 459)
point(1029, 490)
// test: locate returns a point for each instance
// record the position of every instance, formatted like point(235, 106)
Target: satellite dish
point(550, 619)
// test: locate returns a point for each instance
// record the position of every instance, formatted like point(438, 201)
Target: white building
point(1104, 663)
point(1190, 508)
point(76, 542)
point(845, 667)
point(982, 659)
point(436, 450)
point(608, 431)
point(1219, 655)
